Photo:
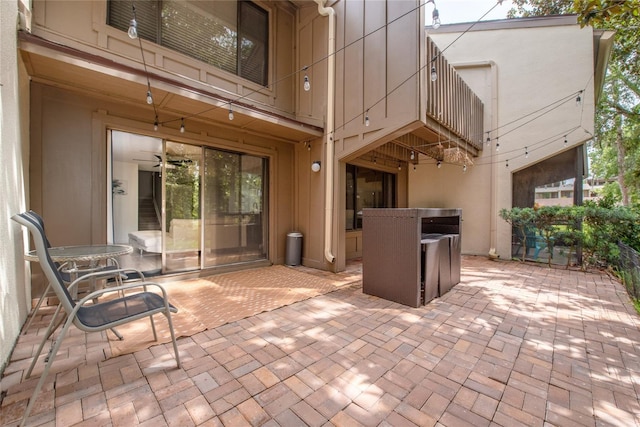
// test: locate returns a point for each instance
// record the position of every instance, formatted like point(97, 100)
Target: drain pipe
point(328, 170)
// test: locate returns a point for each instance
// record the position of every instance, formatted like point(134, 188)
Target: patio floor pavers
point(512, 344)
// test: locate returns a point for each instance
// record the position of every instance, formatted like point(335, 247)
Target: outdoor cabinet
point(396, 265)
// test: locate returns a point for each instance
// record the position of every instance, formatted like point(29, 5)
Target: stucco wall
point(14, 294)
point(527, 73)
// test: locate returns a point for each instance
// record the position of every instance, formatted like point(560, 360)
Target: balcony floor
point(512, 344)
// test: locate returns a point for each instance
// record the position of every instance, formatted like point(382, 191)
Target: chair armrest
point(101, 274)
point(128, 286)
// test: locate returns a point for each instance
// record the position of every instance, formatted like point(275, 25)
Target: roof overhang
point(72, 69)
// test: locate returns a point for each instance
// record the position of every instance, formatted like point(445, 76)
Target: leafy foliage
point(595, 228)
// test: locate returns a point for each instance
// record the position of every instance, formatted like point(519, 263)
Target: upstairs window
point(228, 34)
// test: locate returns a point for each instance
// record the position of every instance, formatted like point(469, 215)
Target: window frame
point(157, 30)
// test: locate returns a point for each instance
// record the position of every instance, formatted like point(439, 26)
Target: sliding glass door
point(234, 200)
point(182, 218)
point(185, 207)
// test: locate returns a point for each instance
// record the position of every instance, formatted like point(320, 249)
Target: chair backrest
point(40, 221)
point(49, 268)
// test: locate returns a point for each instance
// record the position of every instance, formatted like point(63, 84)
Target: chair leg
point(36, 308)
point(173, 338)
point(43, 377)
point(153, 328)
point(53, 325)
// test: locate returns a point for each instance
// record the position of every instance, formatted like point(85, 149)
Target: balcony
point(451, 128)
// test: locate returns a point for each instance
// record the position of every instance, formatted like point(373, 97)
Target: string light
point(133, 26)
point(497, 144)
point(488, 139)
point(149, 97)
point(230, 113)
point(155, 124)
point(507, 164)
point(565, 140)
point(413, 155)
point(578, 99)
point(399, 166)
point(182, 126)
point(307, 83)
point(435, 15)
point(366, 118)
point(464, 168)
point(434, 73)
point(526, 153)
point(439, 164)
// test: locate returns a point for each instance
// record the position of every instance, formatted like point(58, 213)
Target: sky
point(454, 11)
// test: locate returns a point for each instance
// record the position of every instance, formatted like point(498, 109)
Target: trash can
point(293, 254)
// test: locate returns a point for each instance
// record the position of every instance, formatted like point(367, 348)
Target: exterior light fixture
point(230, 113)
point(155, 124)
point(307, 83)
point(149, 97)
point(435, 15)
point(133, 29)
point(182, 125)
point(434, 73)
point(315, 166)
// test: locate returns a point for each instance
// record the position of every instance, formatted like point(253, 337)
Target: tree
point(527, 8)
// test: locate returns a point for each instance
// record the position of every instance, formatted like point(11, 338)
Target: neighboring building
point(563, 193)
point(228, 149)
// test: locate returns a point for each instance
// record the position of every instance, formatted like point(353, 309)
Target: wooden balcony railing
point(451, 102)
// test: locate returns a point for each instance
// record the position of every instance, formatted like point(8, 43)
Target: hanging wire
point(223, 102)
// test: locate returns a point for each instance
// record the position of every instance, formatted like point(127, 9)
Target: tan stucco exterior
point(15, 291)
point(528, 74)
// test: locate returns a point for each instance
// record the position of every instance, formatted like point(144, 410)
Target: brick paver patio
point(512, 344)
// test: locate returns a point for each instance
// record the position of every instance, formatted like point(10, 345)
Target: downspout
point(328, 169)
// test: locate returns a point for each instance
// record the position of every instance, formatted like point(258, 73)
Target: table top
point(83, 253)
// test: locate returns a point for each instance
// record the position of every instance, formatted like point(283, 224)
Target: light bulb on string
point(439, 164)
point(497, 145)
point(366, 118)
point(464, 168)
point(565, 140)
point(507, 164)
point(399, 166)
point(149, 97)
point(526, 153)
point(436, 18)
point(155, 124)
point(230, 113)
point(182, 125)
point(413, 155)
point(133, 29)
point(578, 99)
point(488, 139)
point(434, 74)
point(307, 83)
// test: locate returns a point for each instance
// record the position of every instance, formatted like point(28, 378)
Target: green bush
point(595, 228)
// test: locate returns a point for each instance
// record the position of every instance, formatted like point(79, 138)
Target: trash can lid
point(294, 234)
